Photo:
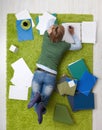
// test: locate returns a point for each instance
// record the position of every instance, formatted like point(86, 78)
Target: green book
point(61, 114)
point(77, 68)
point(65, 88)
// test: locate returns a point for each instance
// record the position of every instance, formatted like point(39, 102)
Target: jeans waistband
point(45, 71)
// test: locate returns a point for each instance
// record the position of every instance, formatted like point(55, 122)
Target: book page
point(89, 32)
point(67, 36)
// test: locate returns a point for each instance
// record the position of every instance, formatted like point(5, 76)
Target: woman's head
point(56, 33)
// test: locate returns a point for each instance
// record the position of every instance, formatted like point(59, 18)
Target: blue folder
point(81, 102)
point(86, 83)
point(24, 35)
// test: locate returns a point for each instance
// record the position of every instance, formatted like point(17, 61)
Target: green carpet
point(18, 116)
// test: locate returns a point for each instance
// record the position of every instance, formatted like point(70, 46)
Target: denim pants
point(43, 83)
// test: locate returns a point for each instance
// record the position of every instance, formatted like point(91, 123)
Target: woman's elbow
point(79, 47)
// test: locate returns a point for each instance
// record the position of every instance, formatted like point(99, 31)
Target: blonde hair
point(57, 33)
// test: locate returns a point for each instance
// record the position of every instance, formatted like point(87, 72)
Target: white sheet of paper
point(21, 80)
point(71, 83)
point(49, 16)
point(45, 21)
point(77, 28)
point(18, 93)
point(42, 25)
point(24, 15)
point(45, 26)
point(89, 32)
point(22, 74)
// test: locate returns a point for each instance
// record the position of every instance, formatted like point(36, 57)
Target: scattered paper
point(45, 22)
point(22, 73)
point(21, 80)
point(18, 92)
point(24, 15)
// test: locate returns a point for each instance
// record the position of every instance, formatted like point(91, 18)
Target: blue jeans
point(43, 83)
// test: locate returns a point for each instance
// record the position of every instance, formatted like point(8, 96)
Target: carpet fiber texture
point(18, 116)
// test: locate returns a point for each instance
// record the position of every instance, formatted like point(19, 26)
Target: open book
point(85, 31)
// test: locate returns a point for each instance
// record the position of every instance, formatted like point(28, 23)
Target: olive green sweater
point(52, 53)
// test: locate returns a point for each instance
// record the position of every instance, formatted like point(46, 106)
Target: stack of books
point(83, 98)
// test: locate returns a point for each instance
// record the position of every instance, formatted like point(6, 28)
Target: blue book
point(25, 31)
point(77, 68)
point(81, 102)
point(86, 83)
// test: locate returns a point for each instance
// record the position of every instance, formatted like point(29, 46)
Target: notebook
point(61, 114)
point(85, 31)
point(23, 34)
point(86, 83)
point(77, 68)
point(81, 102)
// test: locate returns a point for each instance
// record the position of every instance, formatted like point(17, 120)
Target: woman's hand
point(71, 30)
point(50, 30)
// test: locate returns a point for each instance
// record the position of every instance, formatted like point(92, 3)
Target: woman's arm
point(77, 44)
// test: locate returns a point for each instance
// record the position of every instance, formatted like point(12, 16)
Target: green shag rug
point(18, 116)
